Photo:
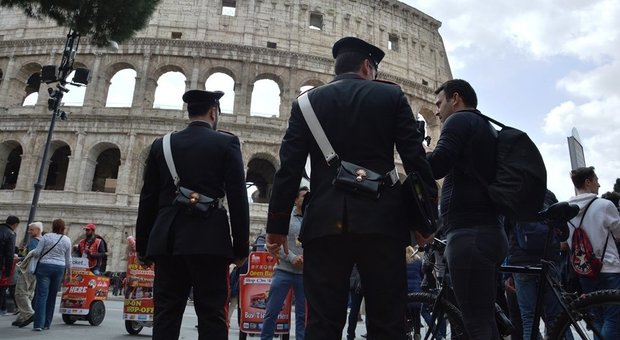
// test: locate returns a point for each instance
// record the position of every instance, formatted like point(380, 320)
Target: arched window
point(122, 85)
point(265, 99)
point(305, 88)
point(10, 161)
point(169, 92)
point(106, 171)
point(31, 99)
point(260, 175)
point(222, 82)
point(75, 96)
point(57, 170)
point(33, 84)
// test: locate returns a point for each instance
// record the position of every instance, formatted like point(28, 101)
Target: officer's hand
point(510, 285)
point(238, 261)
point(274, 242)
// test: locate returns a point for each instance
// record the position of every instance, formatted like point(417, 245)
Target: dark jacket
point(208, 162)
point(466, 146)
point(363, 121)
point(7, 249)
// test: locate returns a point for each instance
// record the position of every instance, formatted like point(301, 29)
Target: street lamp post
point(51, 74)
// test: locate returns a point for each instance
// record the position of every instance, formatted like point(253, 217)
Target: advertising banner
point(139, 291)
point(254, 294)
point(81, 290)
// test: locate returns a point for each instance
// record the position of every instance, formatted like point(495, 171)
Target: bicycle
point(579, 313)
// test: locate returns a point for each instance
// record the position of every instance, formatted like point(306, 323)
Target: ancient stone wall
point(264, 39)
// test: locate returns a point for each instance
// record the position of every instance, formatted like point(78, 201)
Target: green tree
point(617, 185)
point(101, 20)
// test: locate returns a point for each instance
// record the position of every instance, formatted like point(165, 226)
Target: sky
point(544, 67)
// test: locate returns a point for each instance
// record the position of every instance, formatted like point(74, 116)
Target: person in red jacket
point(93, 248)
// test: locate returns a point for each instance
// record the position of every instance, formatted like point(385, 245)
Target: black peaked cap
point(202, 97)
point(352, 44)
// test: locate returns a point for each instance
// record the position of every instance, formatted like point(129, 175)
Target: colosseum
point(257, 51)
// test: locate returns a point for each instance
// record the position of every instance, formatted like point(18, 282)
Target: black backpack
point(518, 189)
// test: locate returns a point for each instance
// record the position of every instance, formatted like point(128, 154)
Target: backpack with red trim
point(582, 257)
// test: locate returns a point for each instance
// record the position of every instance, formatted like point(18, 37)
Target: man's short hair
point(200, 109)
point(349, 62)
point(12, 220)
point(463, 88)
point(579, 176)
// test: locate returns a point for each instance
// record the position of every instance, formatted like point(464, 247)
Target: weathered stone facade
point(263, 40)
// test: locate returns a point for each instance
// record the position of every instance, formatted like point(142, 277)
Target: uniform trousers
point(174, 276)
point(380, 260)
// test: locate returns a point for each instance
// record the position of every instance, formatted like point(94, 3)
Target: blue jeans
point(607, 320)
point(474, 255)
point(281, 283)
point(49, 277)
point(527, 286)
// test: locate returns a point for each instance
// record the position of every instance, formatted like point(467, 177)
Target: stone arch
point(221, 81)
point(57, 165)
point(312, 82)
point(101, 169)
point(140, 165)
point(266, 99)
point(19, 89)
point(220, 69)
point(76, 94)
point(11, 152)
point(433, 128)
point(169, 91)
point(260, 171)
point(160, 71)
point(119, 90)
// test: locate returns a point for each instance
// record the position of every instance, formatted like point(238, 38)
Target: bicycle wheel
point(587, 311)
point(448, 322)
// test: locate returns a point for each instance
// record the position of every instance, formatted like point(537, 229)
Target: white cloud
point(577, 41)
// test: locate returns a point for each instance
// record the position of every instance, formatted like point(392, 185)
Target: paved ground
point(113, 327)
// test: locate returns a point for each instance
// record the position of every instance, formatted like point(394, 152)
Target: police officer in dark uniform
point(193, 249)
point(363, 120)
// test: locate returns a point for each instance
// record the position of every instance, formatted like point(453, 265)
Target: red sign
point(81, 290)
point(254, 293)
point(139, 292)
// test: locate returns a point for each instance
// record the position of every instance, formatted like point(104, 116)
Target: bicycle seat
point(560, 212)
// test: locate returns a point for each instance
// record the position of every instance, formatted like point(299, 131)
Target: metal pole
point(66, 66)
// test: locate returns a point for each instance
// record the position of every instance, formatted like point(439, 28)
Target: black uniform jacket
point(363, 120)
point(208, 162)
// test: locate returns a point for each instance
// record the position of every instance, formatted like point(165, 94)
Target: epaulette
point(385, 82)
point(226, 132)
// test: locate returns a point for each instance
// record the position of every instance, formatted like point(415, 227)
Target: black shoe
point(27, 322)
point(15, 323)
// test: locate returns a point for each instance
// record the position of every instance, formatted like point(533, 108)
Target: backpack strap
point(584, 213)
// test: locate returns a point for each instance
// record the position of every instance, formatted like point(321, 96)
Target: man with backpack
point(466, 155)
point(594, 255)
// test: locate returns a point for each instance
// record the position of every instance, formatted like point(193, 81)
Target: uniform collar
point(349, 75)
point(200, 123)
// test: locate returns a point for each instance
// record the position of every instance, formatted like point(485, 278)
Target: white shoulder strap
point(169, 160)
point(315, 128)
